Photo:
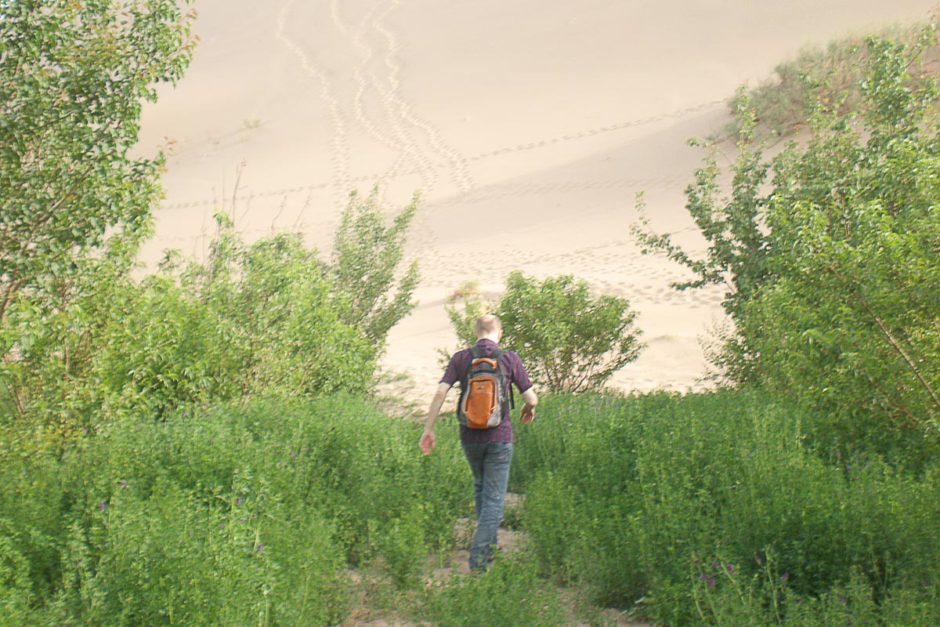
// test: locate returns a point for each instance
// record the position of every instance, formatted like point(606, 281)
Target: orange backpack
point(484, 392)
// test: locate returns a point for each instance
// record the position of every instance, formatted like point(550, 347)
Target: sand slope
point(528, 126)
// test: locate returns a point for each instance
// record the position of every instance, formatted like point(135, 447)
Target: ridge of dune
point(540, 120)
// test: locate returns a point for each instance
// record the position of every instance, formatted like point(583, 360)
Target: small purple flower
point(711, 583)
point(222, 525)
point(702, 577)
point(103, 505)
point(730, 568)
point(716, 566)
point(260, 548)
point(785, 577)
point(123, 484)
point(239, 501)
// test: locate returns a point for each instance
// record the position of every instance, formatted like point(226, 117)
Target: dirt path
point(510, 541)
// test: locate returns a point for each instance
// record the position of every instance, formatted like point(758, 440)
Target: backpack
point(484, 392)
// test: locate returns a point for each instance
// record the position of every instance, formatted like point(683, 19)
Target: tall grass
point(714, 508)
point(700, 509)
point(244, 515)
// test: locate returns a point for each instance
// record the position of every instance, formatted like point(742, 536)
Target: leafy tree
point(570, 340)
point(831, 263)
point(366, 259)
point(74, 205)
point(73, 76)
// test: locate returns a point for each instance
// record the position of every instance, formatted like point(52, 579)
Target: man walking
point(488, 448)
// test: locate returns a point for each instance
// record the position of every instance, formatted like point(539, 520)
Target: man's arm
point(524, 384)
point(428, 439)
point(531, 400)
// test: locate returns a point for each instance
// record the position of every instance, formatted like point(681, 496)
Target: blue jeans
point(490, 463)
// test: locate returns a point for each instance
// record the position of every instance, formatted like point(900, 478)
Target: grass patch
point(683, 506)
point(244, 513)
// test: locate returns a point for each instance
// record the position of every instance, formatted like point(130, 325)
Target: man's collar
point(486, 341)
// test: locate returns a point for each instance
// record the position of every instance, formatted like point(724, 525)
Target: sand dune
point(528, 127)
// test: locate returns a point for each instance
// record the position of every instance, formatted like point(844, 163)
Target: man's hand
point(528, 414)
point(428, 439)
point(428, 442)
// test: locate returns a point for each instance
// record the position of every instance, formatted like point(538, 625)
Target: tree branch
point(890, 339)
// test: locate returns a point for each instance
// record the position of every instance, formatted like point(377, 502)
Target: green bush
point(74, 205)
point(829, 254)
point(570, 340)
point(637, 498)
point(365, 267)
point(252, 321)
point(833, 75)
point(725, 597)
point(241, 514)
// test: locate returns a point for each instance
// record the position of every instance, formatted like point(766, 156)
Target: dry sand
point(528, 126)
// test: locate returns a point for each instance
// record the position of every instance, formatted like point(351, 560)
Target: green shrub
point(74, 203)
point(240, 514)
point(724, 597)
point(831, 75)
point(633, 497)
point(829, 255)
point(252, 321)
point(366, 259)
point(15, 589)
point(510, 593)
point(570, 340)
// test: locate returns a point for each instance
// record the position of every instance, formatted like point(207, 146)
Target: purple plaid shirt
point(512, 366)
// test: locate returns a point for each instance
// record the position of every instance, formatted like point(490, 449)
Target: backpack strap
point(474, 354)
point(512, 396)
point(498, 356)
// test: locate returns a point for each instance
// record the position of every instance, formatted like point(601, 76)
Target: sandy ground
point(528, 126)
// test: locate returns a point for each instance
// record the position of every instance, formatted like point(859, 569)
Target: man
point(489, 451)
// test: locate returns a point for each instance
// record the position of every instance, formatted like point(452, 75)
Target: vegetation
point(73, 205)
point(241, 514)
point(259, 320)
point(718, 509)
point(572, 341)
point(714, 508)
point(828, 252)
point(72, 79)
point(192, 447)
point(510, 594)
point(784, 104)
point(366, 259)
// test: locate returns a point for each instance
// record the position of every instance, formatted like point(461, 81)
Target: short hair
point(487, 325)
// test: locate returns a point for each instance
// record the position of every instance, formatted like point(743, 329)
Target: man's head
point(489, 327)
